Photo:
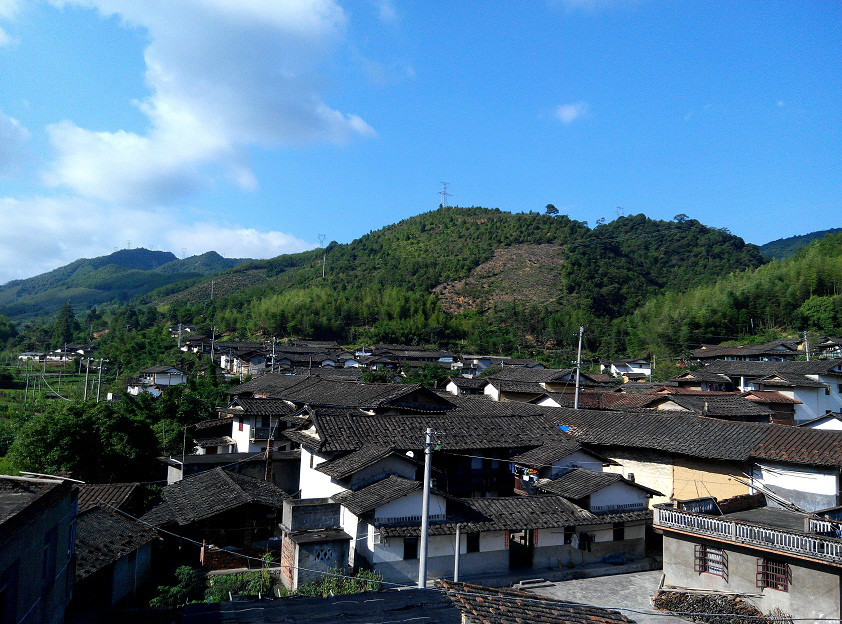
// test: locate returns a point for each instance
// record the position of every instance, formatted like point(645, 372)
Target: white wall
point(620, 496)
point(831, 424)
point(491, 391)
point(311, 482)
point(410, 505)
point(805, 482)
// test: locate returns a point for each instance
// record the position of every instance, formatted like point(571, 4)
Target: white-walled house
point(816, 384)
point(155, 379)
point(832, 421)
point(497, 534)
point(632, 368)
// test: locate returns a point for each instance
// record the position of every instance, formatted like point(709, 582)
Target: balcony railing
point(820, 548)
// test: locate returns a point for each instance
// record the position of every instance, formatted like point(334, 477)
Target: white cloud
point(8, 10)
point(568, 113)
point(224, 75)
point(42, 233)
point(13, 145)
point(387, 11)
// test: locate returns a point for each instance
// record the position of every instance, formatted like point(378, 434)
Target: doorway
point(521, 549)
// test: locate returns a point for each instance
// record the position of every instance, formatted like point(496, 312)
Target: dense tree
point(65, 326)
point(551, 210)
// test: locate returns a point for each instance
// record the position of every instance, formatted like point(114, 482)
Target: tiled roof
point(577, 483)
point(769, 396)
point(761, 369)
point(719, 406)
point(348, 464)
point(709, 438)
point(534, 375)
point(262, 407)
point(769, 348)
point(209, 493)
point(789, 380)
point(703, 375)
point(823, 417)
point(103, 536)
point(223, 421)
point(474, 383)
point(484, 427)
point(112, 494)
point(509, 606)
point(372, 496)
point(218, 441)
point(548, 453)
point(522, 387)
point(159, 369)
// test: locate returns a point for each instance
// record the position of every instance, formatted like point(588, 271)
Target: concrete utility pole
point(99, 380)
point(87, 370)
point(179, 335)
point(578, 367)
point(425, 509)
point(273, 354)
point(806, 346)
point(457, 553)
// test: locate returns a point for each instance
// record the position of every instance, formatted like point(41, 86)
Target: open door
point(521, 549)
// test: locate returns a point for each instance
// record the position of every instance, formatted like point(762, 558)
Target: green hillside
point(117, 277)
point(385, 285)
point(803, 292)
point(786, 247)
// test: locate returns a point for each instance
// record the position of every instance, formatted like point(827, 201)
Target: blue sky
point(252, 126)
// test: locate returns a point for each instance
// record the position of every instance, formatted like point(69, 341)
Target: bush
point(334, 584)
point(188, 589)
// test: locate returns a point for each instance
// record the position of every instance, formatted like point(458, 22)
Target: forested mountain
point(786, 247)
point(540, 275)
point(798, 293)
point(117, 277)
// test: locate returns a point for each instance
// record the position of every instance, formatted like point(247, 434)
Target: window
point(240, 423)
point(264, 421)
point(774, 574)
point(49, 558)
point(473, 542)
point(569, 532)
point(619, 531)
point(410, 548)
point(839, 388)
point(711, 560)
point(827, 390)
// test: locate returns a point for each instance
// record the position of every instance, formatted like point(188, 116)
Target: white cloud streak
point(42, 233)
point(224, 75)
point(568, 113)
point(14, 150)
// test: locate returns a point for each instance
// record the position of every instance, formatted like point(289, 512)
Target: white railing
point(812, 546)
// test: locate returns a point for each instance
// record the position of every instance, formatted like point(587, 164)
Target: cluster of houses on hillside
point(731, 473)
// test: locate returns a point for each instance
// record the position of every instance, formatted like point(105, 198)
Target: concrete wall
point(308, 514)
point(130, 574)
point(808, 487)
point(319, 557)
point(40, 599)
point(813, 593)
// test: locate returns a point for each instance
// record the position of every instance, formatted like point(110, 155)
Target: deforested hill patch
point(526, 273)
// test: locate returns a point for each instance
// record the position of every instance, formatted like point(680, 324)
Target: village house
point(221, 509)
point(775, 351)
point(685, 456)
point(816, 384)
point(460, 386)
point(629, 370)
point(37, 548)
point(831, 421)
point(527, 384)
point(155, 379)
point(779, 560)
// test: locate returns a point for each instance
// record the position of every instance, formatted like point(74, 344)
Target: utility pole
point(267, 476)
point(457, 553)
point(444, 194)
point(578, 367)
point(273, 354)
point(213, 340)
point(179, 335)
point(87, 370)
point(425, 509)
point(652, 370)
point(322, 238)
point(212, 284)
point(806, 346)
point(99, 380)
